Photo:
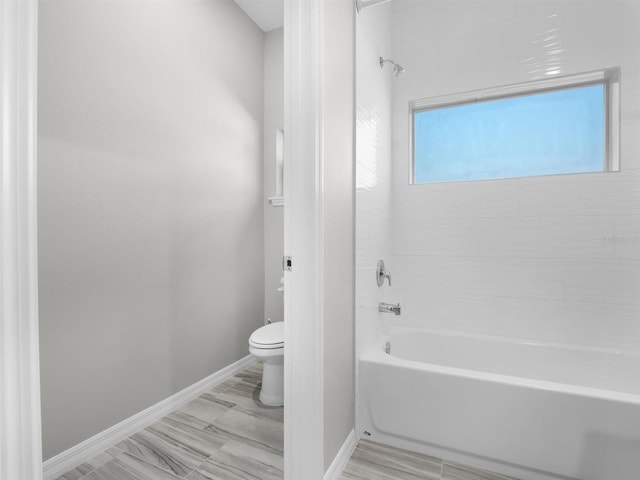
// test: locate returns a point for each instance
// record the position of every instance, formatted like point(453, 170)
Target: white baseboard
point(82, 452)
point(342, 458)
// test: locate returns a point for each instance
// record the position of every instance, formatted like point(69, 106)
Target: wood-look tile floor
point(225, 434)
point(372, 461)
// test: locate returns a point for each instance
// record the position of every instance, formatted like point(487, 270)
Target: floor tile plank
point(237, 461)
point(227, 434)
point(453, 471)
point(162, 452)
point(128, 467)
point(87, 467)
point(253, 430)
point(380, 462)
point(173, 446)
point(206, 407)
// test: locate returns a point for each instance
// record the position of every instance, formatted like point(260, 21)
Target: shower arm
point(397, 68)
point(362, 4)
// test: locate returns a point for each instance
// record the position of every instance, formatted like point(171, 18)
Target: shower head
point(397, 68)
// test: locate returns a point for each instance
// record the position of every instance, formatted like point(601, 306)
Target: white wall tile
point(561, 247)
point(547, 237)
point(601, 26)
point(525, 8)
point(467, 313)
point(626, 239)
point(366, 288)
point(541, 320)
point(368, 328)
point(603, 325)
point(487, 198)
point(582, 194)
point(373, 168)
point(446, 237)
point(501, 10)
point(606, 281)
point(539, 32)
point(630, 142)
point(482, 49)
point(420, 19)
point(463, 77)
point(415, 273)
point(540, 43)
point(630, 118)
point(364, 234)
point(509, 277)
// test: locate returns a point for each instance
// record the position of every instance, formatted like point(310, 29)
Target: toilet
point(267, 345)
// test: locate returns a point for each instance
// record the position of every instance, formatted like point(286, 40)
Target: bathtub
point(534, 412)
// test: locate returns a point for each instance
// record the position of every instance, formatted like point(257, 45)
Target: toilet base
point(272, 392)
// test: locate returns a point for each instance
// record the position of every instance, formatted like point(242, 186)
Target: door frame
point(20, 436)
point(20, 432)
point(303, 219)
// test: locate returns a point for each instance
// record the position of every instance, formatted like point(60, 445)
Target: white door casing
point(303, 190)
point(20, 429)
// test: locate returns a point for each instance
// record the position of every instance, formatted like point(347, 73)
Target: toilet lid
point(269, 336)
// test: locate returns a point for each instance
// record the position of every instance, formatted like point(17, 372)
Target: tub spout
point(390, 308)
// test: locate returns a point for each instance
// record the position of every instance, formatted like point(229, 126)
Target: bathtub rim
point(510, 340)
point(376, 354)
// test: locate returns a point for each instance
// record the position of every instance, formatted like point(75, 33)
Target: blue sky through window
point(554, 132)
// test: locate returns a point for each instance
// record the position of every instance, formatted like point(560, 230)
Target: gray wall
point(150, 203)
point(338, 211)
point(273, 216)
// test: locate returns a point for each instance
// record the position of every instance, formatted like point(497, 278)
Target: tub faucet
point(390, 308)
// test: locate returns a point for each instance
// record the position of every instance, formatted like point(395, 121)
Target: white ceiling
point(268, 14)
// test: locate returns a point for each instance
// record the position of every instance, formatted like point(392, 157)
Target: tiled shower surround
point(373, 168)
point(551, 258)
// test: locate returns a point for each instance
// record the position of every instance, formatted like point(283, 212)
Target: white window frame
point(610, 78)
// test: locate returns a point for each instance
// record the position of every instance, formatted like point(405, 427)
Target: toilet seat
point(267, 345)
point(268, 337)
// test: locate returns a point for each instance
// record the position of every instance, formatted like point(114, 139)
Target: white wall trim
point(342, 458)
point(86, 450)
point(20, 431)
point(303, 190)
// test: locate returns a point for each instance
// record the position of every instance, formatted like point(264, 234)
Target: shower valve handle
point(382, 273)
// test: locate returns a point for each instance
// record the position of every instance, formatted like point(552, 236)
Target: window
point(563, 125)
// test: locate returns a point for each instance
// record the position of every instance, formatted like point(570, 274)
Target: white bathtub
point(525, 410)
